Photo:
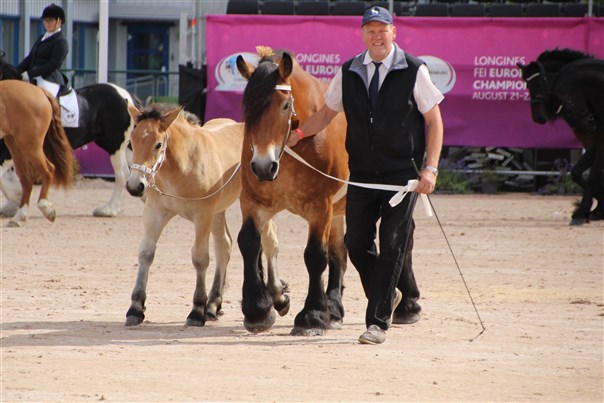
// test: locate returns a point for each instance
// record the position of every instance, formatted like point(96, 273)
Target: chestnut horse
point(104, 120)
point(30, 124)
point(189, 171)
point(273, 182)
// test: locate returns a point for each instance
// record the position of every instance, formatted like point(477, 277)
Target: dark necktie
point(374, 85)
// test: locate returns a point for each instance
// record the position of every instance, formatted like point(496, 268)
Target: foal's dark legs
point(337, 260)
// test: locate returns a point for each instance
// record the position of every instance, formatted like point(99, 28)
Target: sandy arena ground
point(536, 281)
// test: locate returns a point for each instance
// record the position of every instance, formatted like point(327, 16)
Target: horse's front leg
point(337, 261)
point(277, 288)
point(313, 319)
point(201, 260)
point(257, 302)
point(113, 207)
point(223, 244)
point(153, 223)
point(24, 174)
point(11, 189)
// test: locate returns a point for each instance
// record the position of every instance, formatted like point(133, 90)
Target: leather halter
point(149, 174)
point(292, 112)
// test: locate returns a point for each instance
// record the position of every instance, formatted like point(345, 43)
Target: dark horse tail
point(57, 147)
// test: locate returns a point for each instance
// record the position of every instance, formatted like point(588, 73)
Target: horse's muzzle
point(265, 171)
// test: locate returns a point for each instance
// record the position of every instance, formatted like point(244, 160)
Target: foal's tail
point(57, 147)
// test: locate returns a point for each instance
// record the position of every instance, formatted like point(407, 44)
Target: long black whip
point(454, 259)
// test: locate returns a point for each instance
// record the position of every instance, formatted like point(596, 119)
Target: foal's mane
point(156, 111)
point(557, 58)
point(259, 89)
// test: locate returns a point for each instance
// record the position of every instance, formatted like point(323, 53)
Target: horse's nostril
point(274, 167)
point(253, 168)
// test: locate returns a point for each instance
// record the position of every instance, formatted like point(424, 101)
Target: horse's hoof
point(596, 216)
point(134, 320)
point(197, 317)
point(105, 212)
point(405, 318)
point(9, 209)
point(259, 327)
point(47, 210)
point(300, 331)
point(212, 313)
point(15, 224)
point(335, 324)
point(282, 308)
point(195, 322)
point(578, 221)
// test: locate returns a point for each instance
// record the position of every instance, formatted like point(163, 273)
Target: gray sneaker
point(373, 335)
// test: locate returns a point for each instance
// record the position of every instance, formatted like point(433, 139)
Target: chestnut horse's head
point(268, 109)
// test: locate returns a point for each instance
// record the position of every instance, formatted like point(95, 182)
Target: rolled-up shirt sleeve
point(333, 95)
point(426, 95)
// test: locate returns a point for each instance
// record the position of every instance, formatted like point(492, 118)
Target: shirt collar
point(49, 34)
point(387, 62)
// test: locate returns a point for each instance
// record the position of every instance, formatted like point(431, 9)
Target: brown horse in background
point(273, 182)
point(30, 124)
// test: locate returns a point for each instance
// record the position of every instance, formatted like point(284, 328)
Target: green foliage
point(451, 179)
point(562, 183)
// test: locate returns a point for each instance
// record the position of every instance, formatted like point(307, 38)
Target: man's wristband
point(432, 169)
point(300, 133)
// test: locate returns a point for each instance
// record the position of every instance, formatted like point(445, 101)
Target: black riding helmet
point(54, 11)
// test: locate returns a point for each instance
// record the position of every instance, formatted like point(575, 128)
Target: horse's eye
point(158, 146)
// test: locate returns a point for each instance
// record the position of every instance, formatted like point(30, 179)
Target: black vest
point(382, 143)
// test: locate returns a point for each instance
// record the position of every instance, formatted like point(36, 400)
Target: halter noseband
point(150, 172)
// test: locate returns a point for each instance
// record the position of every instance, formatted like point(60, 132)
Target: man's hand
point(427, 182)
point(25, 76)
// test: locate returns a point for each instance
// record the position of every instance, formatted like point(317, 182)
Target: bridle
point(292, 112)
point(546, 96)
point(149, 174)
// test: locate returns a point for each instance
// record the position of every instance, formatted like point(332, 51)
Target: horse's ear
point(244, 67)
point(520, 66)
point(286, 66)
point(169, 118)
point(133, 111)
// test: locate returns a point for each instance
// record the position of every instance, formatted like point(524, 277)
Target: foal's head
point(268, 109)
point(148, 142)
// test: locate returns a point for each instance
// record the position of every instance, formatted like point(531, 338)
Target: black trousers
point(379, 269)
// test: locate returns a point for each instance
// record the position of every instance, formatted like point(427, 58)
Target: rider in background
point(48, 53)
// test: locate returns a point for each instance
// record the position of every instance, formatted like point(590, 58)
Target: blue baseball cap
point(379, 14)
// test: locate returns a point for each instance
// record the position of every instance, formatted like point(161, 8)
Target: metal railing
point(142, 83)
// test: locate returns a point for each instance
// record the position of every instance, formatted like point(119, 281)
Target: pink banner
point(472, 60)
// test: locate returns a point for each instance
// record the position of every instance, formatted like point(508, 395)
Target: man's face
point(378, 38)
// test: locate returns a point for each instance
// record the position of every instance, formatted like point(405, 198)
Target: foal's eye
point(158, 146)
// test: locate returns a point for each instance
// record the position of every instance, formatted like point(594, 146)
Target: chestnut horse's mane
point(259, 89)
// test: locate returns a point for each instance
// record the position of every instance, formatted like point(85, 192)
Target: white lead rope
point(401, 191)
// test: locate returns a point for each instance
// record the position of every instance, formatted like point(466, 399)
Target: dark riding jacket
point(381, 143)
point(45, 59)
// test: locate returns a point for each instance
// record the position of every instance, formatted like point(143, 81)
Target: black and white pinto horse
point(103, 119)
point(569, 84)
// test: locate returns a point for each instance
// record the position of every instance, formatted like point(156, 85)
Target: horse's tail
point(57, 147)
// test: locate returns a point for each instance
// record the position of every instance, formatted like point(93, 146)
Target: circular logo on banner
point(227, 75)
point(442, 73)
